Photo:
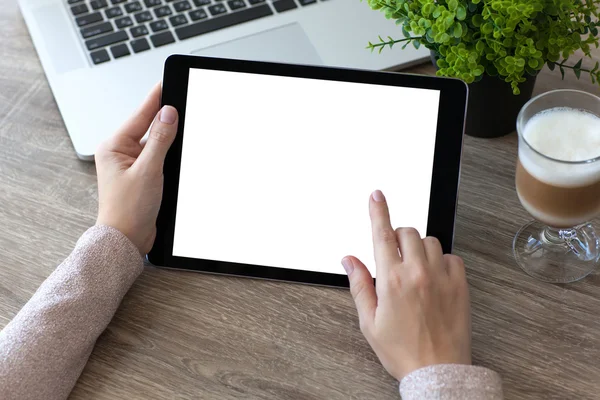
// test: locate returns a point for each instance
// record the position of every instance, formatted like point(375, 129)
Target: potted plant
point(496, 46)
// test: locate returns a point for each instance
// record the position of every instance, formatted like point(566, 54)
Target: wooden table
point(186, 335)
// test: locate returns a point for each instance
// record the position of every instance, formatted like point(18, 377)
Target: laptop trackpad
point(286, 44)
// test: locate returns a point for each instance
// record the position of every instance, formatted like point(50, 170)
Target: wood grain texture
point(184, 335)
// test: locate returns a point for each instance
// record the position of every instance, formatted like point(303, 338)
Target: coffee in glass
point(558, 183)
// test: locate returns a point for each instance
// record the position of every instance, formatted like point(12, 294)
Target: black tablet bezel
point(446, 165)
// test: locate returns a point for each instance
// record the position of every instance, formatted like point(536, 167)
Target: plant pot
point(492, 108)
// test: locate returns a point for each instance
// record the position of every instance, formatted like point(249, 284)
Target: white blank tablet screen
point(277, 171)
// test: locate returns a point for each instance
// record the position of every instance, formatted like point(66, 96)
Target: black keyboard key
point(73, 1)
point(162, 11)
point(236, 4)
point(98, 4)
point(178, 20)
point(160, 39)
point(89, 19)
point(306, 2)
point(138, 31)
point(284, 5)
point(217, 9)
point(182, 6)
point(133, 7)
point(152, 3)
point(96, 30)
point(214, 24)
point(123, 23)
point(99, 56)
point(200, 3)
point(157, 26)
point(120, 50)
point(254, 2)
point(95, 43)
point(198, 14)
point(115, 2)
point(143, 17)
point(139, 45)
point(114, 12)
point(79, 9)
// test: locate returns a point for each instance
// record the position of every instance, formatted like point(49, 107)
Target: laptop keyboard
point(113, 29)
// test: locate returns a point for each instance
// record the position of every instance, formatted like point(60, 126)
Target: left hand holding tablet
point(130, 172)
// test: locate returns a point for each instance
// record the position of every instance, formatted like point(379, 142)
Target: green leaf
point(578, 65)
point(551, 65)
point(461, 13)
point(416, 44)
point(487, 28)
point(472, 6)
point(405, 32)
point(562, 72)
point(458, 31)
point(577, 73)
point(533, 63)
point(405, 45)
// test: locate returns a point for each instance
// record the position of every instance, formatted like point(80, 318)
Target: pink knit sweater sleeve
point(452, 382)
point(45, 347)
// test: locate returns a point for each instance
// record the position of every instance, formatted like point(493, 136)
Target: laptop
point(102, 56)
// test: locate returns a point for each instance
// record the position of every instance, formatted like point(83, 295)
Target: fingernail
point(168, 115)
point(378, 196)
point(348, 266)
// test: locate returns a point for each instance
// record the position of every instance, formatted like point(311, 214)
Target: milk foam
point(564, 134)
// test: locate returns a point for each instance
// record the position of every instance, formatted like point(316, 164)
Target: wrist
point(104, 222)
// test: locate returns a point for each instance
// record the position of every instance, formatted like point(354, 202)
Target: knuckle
point(106, 146)
point(454, 261)
point(394, 281)
point(408, 231)
point(105, 149)
point(160, 134)
point(357, 290)
point(420, 277)
point(386, 235)
point(432, 241)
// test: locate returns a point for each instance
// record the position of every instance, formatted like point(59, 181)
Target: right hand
point(419, 313)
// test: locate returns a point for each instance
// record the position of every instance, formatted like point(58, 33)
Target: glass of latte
point(558, 183)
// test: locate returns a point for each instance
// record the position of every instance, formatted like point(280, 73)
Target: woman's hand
point(130, 173)
point(419, 313)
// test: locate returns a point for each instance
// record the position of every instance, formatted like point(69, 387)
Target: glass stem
point(562, 236)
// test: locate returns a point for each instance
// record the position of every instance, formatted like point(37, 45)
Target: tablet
point(273, 165)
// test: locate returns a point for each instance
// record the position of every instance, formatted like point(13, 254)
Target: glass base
point(557, 255)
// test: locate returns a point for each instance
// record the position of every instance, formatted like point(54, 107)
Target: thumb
point(162, 134)
point(362, 289)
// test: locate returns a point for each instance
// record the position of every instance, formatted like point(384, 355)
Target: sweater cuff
point(108, 243)
point(452, 381)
